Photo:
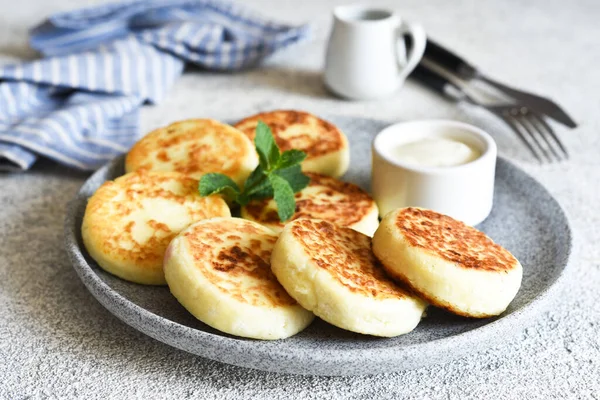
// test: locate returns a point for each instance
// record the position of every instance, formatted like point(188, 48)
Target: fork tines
point(534, 132)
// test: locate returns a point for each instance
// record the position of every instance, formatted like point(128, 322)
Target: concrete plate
point(525, 219)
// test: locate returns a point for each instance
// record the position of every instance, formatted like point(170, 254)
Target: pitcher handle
point(419, 41)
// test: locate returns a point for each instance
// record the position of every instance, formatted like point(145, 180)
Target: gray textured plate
point(525, 219)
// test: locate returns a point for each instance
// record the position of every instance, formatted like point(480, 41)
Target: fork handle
point(438, 83)
point(449, 60)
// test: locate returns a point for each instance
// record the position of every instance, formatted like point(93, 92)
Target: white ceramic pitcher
point(366, 56)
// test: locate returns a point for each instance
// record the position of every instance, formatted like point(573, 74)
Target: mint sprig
point(277, 176)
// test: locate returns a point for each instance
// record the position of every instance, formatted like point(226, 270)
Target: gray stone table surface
point(56, 341)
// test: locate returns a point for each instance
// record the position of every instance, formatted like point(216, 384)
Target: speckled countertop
point(56, 341)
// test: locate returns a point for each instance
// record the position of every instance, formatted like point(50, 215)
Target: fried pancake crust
point(219, 270)
point(195, 147)
point(129, 222)
point(324, 198)
point(326, 147)
point(446, 262)
point(332, 271)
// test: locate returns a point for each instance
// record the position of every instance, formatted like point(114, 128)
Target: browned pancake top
point(192, 147)
point(346, 254)
point(234, 255)
point(452, 240)
point(297, 130)
point(131, 204)
point(325, 198)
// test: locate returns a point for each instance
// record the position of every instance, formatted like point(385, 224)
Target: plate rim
point(373, 359)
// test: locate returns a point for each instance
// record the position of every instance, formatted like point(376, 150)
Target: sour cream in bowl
point(436, 152)
point(446, 166)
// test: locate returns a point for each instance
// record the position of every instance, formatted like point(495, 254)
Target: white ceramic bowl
point(464, 192)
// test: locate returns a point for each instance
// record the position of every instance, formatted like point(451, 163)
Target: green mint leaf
point(277, 176)
point(291, 157)
point(242, 199)
point(268, 152)
point(261, 191)
point(255, 178)
point(294, 177)
point(218, 183)
point(256, 186)
point(274, 156)
point(284, 197)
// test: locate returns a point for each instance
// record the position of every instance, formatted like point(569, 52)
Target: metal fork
point(530, 127)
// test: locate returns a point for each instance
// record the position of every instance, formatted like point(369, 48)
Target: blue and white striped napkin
point(79, 105)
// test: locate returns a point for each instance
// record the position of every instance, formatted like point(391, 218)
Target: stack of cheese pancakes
point(257, 277)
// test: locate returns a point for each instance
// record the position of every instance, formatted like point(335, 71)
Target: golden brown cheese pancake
point(219, 271)
point(324, 198)
point(326, 147)
point(449, 264)
point(332, 271)
point(129, 222)
point(195, 147)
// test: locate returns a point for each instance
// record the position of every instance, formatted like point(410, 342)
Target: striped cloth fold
point(79, 105)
